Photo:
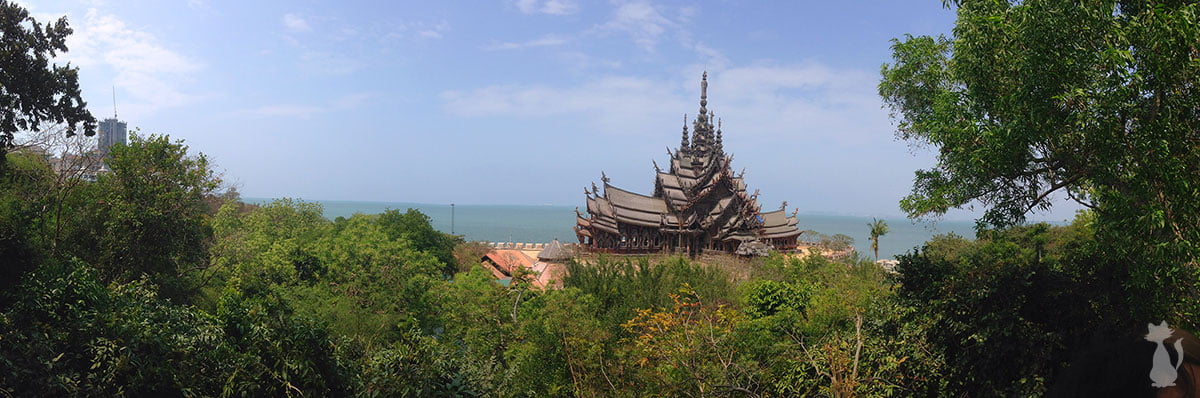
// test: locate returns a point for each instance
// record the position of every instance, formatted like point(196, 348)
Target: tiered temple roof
point(698, 203)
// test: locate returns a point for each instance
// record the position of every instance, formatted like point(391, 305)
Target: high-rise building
point(112, 132)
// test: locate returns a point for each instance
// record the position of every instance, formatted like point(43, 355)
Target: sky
point(508, 101)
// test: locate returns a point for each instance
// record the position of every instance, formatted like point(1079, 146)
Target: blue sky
point(507, 102)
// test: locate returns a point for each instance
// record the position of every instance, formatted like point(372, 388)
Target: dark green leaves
point(32, 91)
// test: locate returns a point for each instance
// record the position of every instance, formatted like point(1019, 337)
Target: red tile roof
point(508, 260)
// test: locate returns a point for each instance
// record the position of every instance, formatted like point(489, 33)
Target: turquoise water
point(903, 234)
point(535, 224)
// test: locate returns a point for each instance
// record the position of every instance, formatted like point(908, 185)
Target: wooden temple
point(698, 204)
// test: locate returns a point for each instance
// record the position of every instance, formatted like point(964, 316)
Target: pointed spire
point(720, 148)
point(683, 142)
point(702, 118)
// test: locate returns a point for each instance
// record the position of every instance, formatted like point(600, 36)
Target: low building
point(544, 273)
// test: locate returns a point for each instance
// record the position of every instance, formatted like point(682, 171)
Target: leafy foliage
point(74, 336)
point(146, 217)
point(689, 349)
point(621, 286)
point(1096, 101)
point(32, 90)
point(1013, 308)
point(22, 198)
point(878, 228)
point(415, 227)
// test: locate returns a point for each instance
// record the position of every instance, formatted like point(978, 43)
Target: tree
point(1095, 101)
point(878, 228)
point(1008, 311)
point(32, 91)
point(415, 227)
point(689, 349)
point(147, 216)
point(22, 196)
point(72, 169)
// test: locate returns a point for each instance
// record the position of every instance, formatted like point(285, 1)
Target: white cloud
point(295, 23)
point(621, 105)
point(544, 41)
point(761, 102)
point(199, 5)
point(583, 63)
point(642, 22)
point(331, 63)
point(286, 110)
point(300, 111)
point(713, 59)
point(149, 75)
point(552, 7)
point(838, 105)
point(426, 30)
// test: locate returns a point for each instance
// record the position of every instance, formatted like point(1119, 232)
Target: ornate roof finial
point(604, 177)
point(683, 142)
point(656, 168)
point(595, 189)
point(783, 206)
point(703, 98)
point(720, 148)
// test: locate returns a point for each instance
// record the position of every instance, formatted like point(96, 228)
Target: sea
point(541, 224)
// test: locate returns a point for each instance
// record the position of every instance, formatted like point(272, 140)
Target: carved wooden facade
point(698, 203)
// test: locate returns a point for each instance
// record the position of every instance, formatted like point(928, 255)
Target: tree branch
point(1053, 187)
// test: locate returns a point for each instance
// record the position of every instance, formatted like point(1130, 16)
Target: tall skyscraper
point(112, 132)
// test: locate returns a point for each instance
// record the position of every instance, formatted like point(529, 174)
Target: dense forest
point(155, 279)
point(148, 281)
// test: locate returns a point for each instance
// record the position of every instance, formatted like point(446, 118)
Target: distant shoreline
point(543, 223)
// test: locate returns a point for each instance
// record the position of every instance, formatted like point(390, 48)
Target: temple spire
point(720, 148)
point(683, 142)
point(702, 130)
point(699, 130)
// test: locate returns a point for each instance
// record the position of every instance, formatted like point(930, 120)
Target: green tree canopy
point(22, 197)
point(414, 226)
point(1029, 98)
point(878, 228)
point(147, 216)
point(32, 90)
point(1098, 101)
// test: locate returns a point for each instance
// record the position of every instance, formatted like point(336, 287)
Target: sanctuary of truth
point(698, 204)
